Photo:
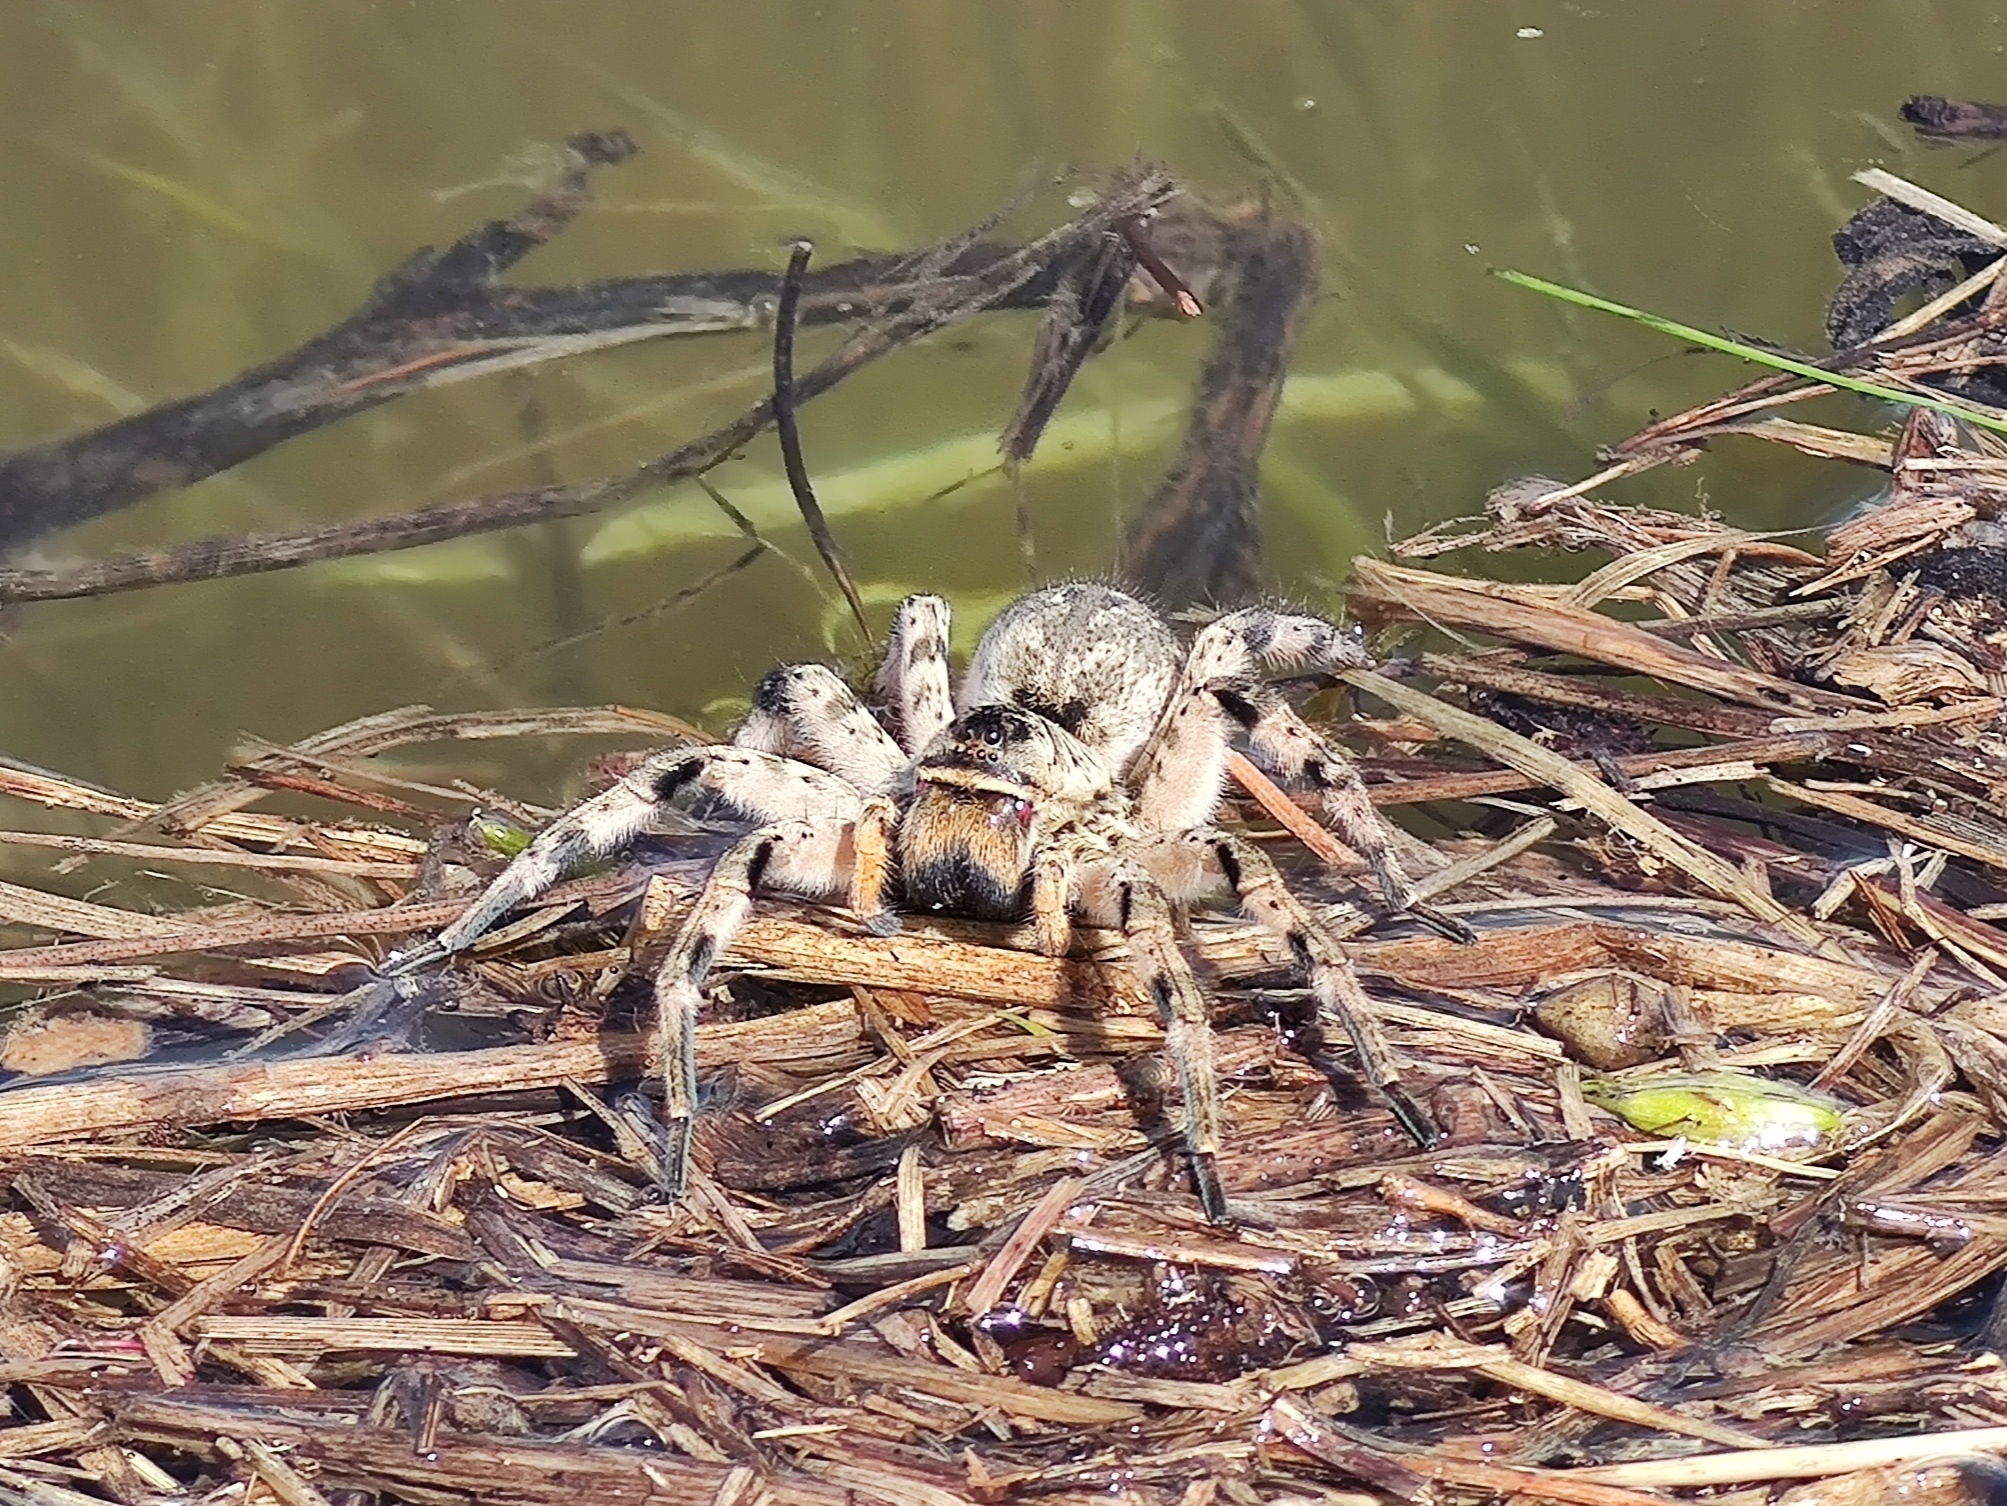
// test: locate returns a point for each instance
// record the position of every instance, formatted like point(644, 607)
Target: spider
point(1077, 776)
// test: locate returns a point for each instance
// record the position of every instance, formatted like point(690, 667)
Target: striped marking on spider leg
point(752, 783)
point(602, 825)
point(1281, 641)
point(677, 1001)
point(1180, 774)
point(797, 856)
point(913, 678)
point(1288, 745)
point(1144, 914)
point(1333, 984)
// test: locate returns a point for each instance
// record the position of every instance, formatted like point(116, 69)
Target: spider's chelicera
point(1077, 775)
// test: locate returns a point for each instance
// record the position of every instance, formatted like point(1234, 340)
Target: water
point(192, 186)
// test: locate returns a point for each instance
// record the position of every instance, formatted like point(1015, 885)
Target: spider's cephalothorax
point(1076, 775)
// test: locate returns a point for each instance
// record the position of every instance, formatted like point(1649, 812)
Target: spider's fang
point(1012, 811)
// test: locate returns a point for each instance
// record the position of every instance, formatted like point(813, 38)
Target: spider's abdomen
point(1083, 656)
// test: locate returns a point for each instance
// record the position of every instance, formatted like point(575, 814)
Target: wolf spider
point(1077, 775)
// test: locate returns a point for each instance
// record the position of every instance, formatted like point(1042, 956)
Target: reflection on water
point(191, 186)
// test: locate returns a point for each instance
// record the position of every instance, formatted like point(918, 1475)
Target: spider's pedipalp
point(871, 863)
point(806, 712)
point(913, 677)
point(1052, 899)
point(1206, 859)
point(746, 781)
point(798, 857)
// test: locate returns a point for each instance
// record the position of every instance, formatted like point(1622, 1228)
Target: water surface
point(191, 186)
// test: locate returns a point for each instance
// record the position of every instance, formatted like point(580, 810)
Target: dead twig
point(789, 432)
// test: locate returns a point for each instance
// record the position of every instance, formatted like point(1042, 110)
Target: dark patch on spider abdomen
point(1086, 657)
point(1072, 715)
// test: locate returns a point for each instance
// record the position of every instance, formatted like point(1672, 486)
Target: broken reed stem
point(1186, 301)
point(789, 432)
point(1800, 1462)
point(1527, 756)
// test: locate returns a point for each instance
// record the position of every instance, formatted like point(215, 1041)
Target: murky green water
point(191, 186)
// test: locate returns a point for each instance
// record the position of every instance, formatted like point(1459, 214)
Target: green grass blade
point(1752, 353)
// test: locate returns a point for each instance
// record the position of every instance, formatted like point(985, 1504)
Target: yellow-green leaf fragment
point(504, 838)
point(1737, 1110)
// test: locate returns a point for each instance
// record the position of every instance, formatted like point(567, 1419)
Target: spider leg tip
point(1411, 1117)
point(1212, 1196)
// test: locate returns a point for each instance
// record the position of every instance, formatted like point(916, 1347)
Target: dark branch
point(440, 317)
point(789, 433)
point(976, 279)
point(1198, 538)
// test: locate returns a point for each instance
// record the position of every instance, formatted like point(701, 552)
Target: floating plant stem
point(1754, 353)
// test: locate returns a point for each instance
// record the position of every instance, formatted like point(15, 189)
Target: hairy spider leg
point(1288, 747)
point(754, 784)
point(913, 677)
point(799, 857)
point(1181, 773)
point(1110, 887)
point(805, 711)
point(1203, 861)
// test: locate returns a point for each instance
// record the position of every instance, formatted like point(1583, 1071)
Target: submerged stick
point(439, 318)
point(1197, 537)
point(974, 278)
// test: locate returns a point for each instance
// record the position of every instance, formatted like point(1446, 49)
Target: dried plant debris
point(1720, 1070)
